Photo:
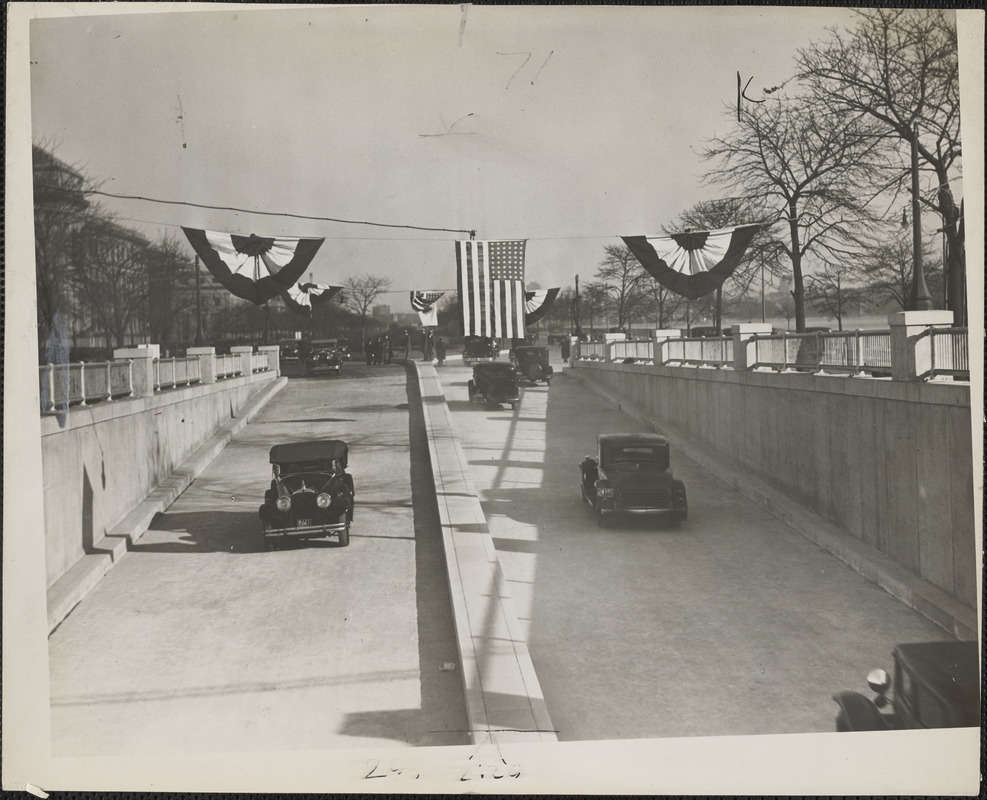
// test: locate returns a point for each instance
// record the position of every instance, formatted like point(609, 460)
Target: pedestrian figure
point(368, 351)
point(565, 349)
point(407, 346)
point(440, 351)
point(390, 349)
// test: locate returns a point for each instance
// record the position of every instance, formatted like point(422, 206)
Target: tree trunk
point(955, 263)
point(798, 293)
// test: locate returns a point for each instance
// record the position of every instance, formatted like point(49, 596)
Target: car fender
point(860, 712)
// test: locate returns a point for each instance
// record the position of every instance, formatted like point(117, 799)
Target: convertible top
point(631, 439)
point(295, 452)
point(493, 366)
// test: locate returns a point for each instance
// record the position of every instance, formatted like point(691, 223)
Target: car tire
point(513, 404)
point(344, 536)
point(842, 723)
point(470, 389)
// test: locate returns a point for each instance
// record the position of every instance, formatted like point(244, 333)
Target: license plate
point(304, 523)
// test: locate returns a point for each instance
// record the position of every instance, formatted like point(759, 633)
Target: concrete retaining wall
point(889, 462)
point(107, 458)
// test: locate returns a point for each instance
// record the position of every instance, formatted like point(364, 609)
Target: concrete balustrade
point(142, 358)
point(273, 353)
point(911, 347)
point(207, 362)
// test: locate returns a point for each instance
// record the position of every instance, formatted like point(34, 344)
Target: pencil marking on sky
point(463, 9)
point(449, 129)
point(526, 60)
point(181, 121)
point(543, 63)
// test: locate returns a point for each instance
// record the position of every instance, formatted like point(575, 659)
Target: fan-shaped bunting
point(695, 263)
point(538, 303)
point(253, 267)
point(303, 297)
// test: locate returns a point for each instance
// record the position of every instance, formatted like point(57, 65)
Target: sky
point(567, 126)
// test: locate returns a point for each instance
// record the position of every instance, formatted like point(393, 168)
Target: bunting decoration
point(303, 297)
point(538, 303)
point(253, 267)
point(491, 287)
point(695, 263)
point(425, 304)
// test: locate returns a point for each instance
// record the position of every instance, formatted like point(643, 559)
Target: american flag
point(491, 287)
point(424, 304)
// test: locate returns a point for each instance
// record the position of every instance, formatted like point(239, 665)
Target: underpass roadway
point(477, 595)
point(730, 624)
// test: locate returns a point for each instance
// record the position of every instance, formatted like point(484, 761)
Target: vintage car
point(479, 348)
point(937, 685)
point(532, 363)
point(631, 475)
point(324, 356)
point(495, 383)
point(311, 494)
point(288, 350)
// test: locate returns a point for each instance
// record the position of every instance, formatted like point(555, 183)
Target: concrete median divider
point(504, 701)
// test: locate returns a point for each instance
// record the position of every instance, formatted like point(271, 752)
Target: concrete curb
point(75, 584)
point(930, 601)
point(504, 701)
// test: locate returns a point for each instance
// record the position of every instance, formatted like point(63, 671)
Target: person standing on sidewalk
point(440, 350)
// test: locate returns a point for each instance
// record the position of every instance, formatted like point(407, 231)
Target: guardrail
point(172, 372)
point(950, 352)
point(594, 350)
point(639, 350)
point(82, 383)
point(229, 365)
point(259, 362)
point(716, 351)
point(854, 352)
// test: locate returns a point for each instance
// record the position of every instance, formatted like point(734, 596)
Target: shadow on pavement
point(203, 532)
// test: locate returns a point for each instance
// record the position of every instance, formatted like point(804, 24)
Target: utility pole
point(578, 330)
point(198, 307)
point(920, 299)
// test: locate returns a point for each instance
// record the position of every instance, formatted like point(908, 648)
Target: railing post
point(142, 367)
point(911, 348)
point(745, 345)
point(82, 383)
point(51, 387)
point(109, 382)
point(273, 357)
point(242, 353)
point(207, 362)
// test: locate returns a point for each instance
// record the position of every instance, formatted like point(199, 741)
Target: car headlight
point(604, 491)
point(283, 503)
point(323, 500)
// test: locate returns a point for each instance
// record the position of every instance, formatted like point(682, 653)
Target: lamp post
point(920, 299)
point(198, 307)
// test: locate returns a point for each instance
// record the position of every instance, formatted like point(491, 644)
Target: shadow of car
point(311, 494)
point(631, 475)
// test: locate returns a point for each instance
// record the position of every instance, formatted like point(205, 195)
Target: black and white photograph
point(493, 399)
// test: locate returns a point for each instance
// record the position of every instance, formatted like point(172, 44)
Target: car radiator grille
point(645, 498)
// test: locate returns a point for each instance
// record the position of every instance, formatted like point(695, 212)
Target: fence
point(854, 352)
point(259, 362)
point(950, 352)
point(714, 351)
point(79, 384)
point(848, 352)
point(635, 349)
point(172, 372)
point(229, 365)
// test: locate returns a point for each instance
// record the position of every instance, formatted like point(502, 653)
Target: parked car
point(288, 350)
point(479, 348)
point(532, 363)
point(936, 685)
point(495, 383)
point(631, 475)
point(324, 356)
point(311, 494)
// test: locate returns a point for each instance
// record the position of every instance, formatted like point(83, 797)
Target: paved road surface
point(731, 624)
point(199, 640)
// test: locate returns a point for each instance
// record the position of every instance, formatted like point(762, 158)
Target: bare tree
point(594, 302)
point(886, 271)
point(833, 292)
point(899, 67)
point(359, 295)
point(109, 273)
point(60, 209)
point(171, 280)
point(812, 168)
point(622, 275)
